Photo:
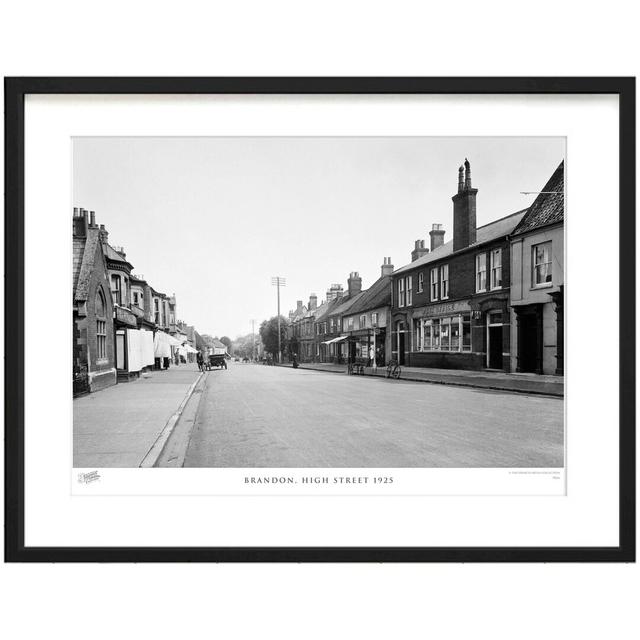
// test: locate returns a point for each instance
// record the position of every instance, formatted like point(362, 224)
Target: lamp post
point(278, 282)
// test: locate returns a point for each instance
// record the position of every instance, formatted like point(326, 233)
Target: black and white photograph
point(318, 302)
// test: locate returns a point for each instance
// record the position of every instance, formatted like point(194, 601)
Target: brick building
point(333, 338)
point(450, 306)
point(93, 330)
point(537, 283)
point(366, 322)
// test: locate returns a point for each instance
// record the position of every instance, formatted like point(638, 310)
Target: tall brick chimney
point(313, 301)
point(419, 250)
point(80, 223)
point(334, 292)
point(437, 236)
point(387, 268)
point(354, 283)
point(464, 210)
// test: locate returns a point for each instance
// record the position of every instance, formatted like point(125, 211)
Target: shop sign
point(447, 308)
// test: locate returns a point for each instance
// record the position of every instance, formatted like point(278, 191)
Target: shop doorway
point(529, 343)
point(494, 340)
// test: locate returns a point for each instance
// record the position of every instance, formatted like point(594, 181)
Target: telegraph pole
point(253, 340)
point(278, 282)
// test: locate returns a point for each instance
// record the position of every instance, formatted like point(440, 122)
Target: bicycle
point(393, 369)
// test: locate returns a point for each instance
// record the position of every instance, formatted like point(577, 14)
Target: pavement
point(530, 383)
point(260, 416)
point(125, 425)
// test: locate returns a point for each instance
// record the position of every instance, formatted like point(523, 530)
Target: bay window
point(116, 291)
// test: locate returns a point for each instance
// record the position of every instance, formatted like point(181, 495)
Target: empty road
point(260, 416)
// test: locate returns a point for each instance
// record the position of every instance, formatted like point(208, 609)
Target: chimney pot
point(437, 236)
point(419, 250)
point(92, 218)
point(464, 213)
point(387, 268)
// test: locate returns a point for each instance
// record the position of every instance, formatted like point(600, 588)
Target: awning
point(336, 340)
point(190, 349)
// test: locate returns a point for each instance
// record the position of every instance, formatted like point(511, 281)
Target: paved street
point(260, 416)
point(116, 427)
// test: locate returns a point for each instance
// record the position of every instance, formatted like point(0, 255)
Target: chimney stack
point(419, 250)
point(387, 268)
point(354, 283)
point(334, 292)
point(79, 222)
point(313, 301)
point(104, 234)
point(464, 210)
point(298, 306)
point(437, 236)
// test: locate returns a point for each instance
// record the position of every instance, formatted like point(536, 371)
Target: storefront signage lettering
point(442, 309)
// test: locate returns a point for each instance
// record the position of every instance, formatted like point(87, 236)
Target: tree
point(226, 341)
point(269, 334)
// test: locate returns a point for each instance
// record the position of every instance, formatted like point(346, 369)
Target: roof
point(548, 207)
point(346, 303)
point(111, 254)
point(83, 260)
point(217, 344)
point(321, 310)
point(377, 295)
point(486, 233)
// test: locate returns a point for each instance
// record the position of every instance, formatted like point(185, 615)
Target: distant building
point(93, 329)
point(537, 283)
point(368, 319)
point(335, 337)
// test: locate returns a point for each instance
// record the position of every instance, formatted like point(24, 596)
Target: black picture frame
point(15, 91)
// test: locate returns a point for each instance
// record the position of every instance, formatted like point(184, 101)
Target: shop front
point(367, 344)
point(336, 350)
point(465, 334)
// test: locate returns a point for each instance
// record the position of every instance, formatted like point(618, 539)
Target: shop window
point(481, 272)
point(496, 269)
point(444, 281)
point(542, 272)
point(434, 284)
point(451, 333)
point(420, 282)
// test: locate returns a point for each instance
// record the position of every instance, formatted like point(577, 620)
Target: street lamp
point(278, 282)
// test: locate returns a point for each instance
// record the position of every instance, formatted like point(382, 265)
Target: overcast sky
point(213, 219)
